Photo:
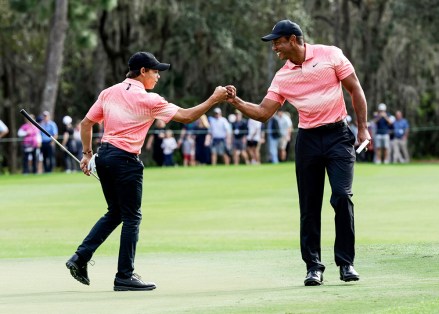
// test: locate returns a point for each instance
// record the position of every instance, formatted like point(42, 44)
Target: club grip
point(24, 113)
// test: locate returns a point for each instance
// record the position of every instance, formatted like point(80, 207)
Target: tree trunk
point(54, 57)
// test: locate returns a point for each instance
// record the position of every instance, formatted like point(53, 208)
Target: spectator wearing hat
point(220, 131)
point(47, 145)
point(312, 80)
point(383, 125)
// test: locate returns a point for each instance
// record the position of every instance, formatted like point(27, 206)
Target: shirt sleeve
point(343, 67)
point(273, 92)
point(275, 97)
point(96, 112)
point(163, 109)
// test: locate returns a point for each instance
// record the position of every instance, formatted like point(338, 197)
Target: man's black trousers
point(326, 149)
point(121, 176)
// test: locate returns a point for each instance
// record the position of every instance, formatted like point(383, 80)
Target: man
point(312, 80)
point(128, 111)
point(220, 130)
point(401, 129)
point(47, 145)
point(383, 124)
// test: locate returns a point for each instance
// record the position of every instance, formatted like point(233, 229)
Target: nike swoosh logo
point(315, 65)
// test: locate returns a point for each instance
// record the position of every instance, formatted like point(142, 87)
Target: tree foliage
point(393, 45)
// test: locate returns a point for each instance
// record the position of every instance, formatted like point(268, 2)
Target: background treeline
point(57, 55)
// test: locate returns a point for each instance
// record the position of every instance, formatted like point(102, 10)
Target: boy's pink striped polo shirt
point(128, 111)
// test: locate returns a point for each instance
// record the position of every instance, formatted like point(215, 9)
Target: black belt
point(332, 126)
point(108, 145)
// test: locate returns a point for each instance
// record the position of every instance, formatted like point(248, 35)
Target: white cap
point(382, 107)
point(67, 120)
point(217, 110)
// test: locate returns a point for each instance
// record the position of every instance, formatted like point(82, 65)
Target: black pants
point(121, 175)
point(48, 160)
point(328, 148)
point(29, 155)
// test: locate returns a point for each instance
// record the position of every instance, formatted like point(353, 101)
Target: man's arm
point(191, 114)
point(353, 86)
point(262, 112)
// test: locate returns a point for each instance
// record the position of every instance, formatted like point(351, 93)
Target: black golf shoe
point(78, 269)
point(314, 278)
point(348, 273)
point(135, 283)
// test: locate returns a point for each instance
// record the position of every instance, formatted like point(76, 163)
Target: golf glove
point(92, 164)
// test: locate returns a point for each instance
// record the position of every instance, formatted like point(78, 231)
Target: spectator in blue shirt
point(382, 137)
point(401, 131)
point(47, 145)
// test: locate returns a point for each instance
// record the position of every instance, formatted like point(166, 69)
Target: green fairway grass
point(222, 240)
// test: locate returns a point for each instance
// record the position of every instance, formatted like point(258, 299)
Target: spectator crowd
point(390, 133)
point(210, 140)
point(216, 139)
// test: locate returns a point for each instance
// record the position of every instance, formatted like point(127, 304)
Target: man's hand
point(231, 92)
point(363, 134)
point(220, 94)
point(84, 164)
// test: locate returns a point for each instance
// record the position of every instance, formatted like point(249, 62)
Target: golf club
point(362, 146)
point(24, 113)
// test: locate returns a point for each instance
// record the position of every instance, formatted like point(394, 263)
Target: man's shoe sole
point(74, 271)
point(125, 288)
point(351, 278)
point(313, 283)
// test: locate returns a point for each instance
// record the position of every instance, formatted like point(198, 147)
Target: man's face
point(282, 46)
point(150, 77)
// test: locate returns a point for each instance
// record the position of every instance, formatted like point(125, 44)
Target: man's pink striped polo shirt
point(128, 111)
point(314, 88)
